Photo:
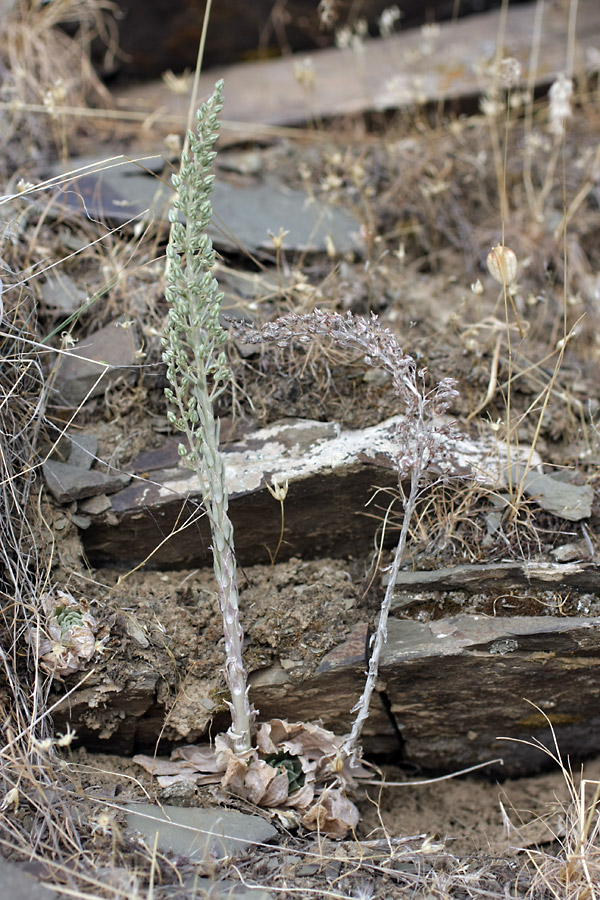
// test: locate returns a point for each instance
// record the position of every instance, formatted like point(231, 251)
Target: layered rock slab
point(332, 474)
point(450, 690)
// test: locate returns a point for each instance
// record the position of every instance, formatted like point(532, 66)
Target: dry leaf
point(332, 815)
point(263, 784)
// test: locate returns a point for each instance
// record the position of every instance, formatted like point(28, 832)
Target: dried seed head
point(278, 491)
point(502, 265)
point(328, 13)
point(509, 72)
point(560, 94)
point(304, 73)
point(173, 144)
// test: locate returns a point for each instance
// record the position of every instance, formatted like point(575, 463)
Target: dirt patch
point(461, 833)
point(168, 624)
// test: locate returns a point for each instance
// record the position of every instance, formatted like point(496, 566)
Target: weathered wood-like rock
point(331, 475)
point(151, 41)
point(386, 74)
point(579, 576)
point(106, 712)
point(453, 688)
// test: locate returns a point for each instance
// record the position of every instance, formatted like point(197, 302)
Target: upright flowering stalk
point(198, 374)
point(421, 439)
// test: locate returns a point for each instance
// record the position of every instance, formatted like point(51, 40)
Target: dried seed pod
point(502, 265)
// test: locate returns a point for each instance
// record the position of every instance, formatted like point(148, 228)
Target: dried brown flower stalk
point(422, 437)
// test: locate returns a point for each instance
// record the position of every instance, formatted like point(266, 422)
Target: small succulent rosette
point(294, 766)
point(67, 639)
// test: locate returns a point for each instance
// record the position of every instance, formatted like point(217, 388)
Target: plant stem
point(350, 745)
point(198, 373)
point(216, 503)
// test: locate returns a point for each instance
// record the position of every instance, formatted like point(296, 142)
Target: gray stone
point(84, 447)
point(557, 496)
point(67, 483)
point(60, 292)
point(96, 362)
point(18, 885)
point(126, 190)
point(95, 505)
point(206, 889)
point(319, 460)
point(570, 552)
point(579, 576)
point(200, 834)
point(80, 521)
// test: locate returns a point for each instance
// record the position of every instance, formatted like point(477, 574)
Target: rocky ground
point(492, 656)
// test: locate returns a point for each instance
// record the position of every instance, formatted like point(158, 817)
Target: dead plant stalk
point(421, 438)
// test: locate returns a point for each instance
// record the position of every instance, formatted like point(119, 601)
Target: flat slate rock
point(18, 885)
point(121, 191)
point(67, 483)
point(456, 686)
point(557, 495)
point(392, 73)
point(580, 576)
point(199, 834)
point(320, 460)
point(94, 363)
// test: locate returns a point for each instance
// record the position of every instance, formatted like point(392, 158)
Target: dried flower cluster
point(560, 93)
point(388, 20)
point(422, 438)
point(502, 265)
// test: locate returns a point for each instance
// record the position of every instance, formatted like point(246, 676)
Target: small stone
point(82, 522)
point(269, 676)
point(84, 448)
point(60, 292)
point(569, 552)
point(134, 629)
point(199, 834)
point(67, 483)
point(181, 793)
point(95, 505)
point(288, 664)
point(18, 885)
point(224, 890)
point(567, 501)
